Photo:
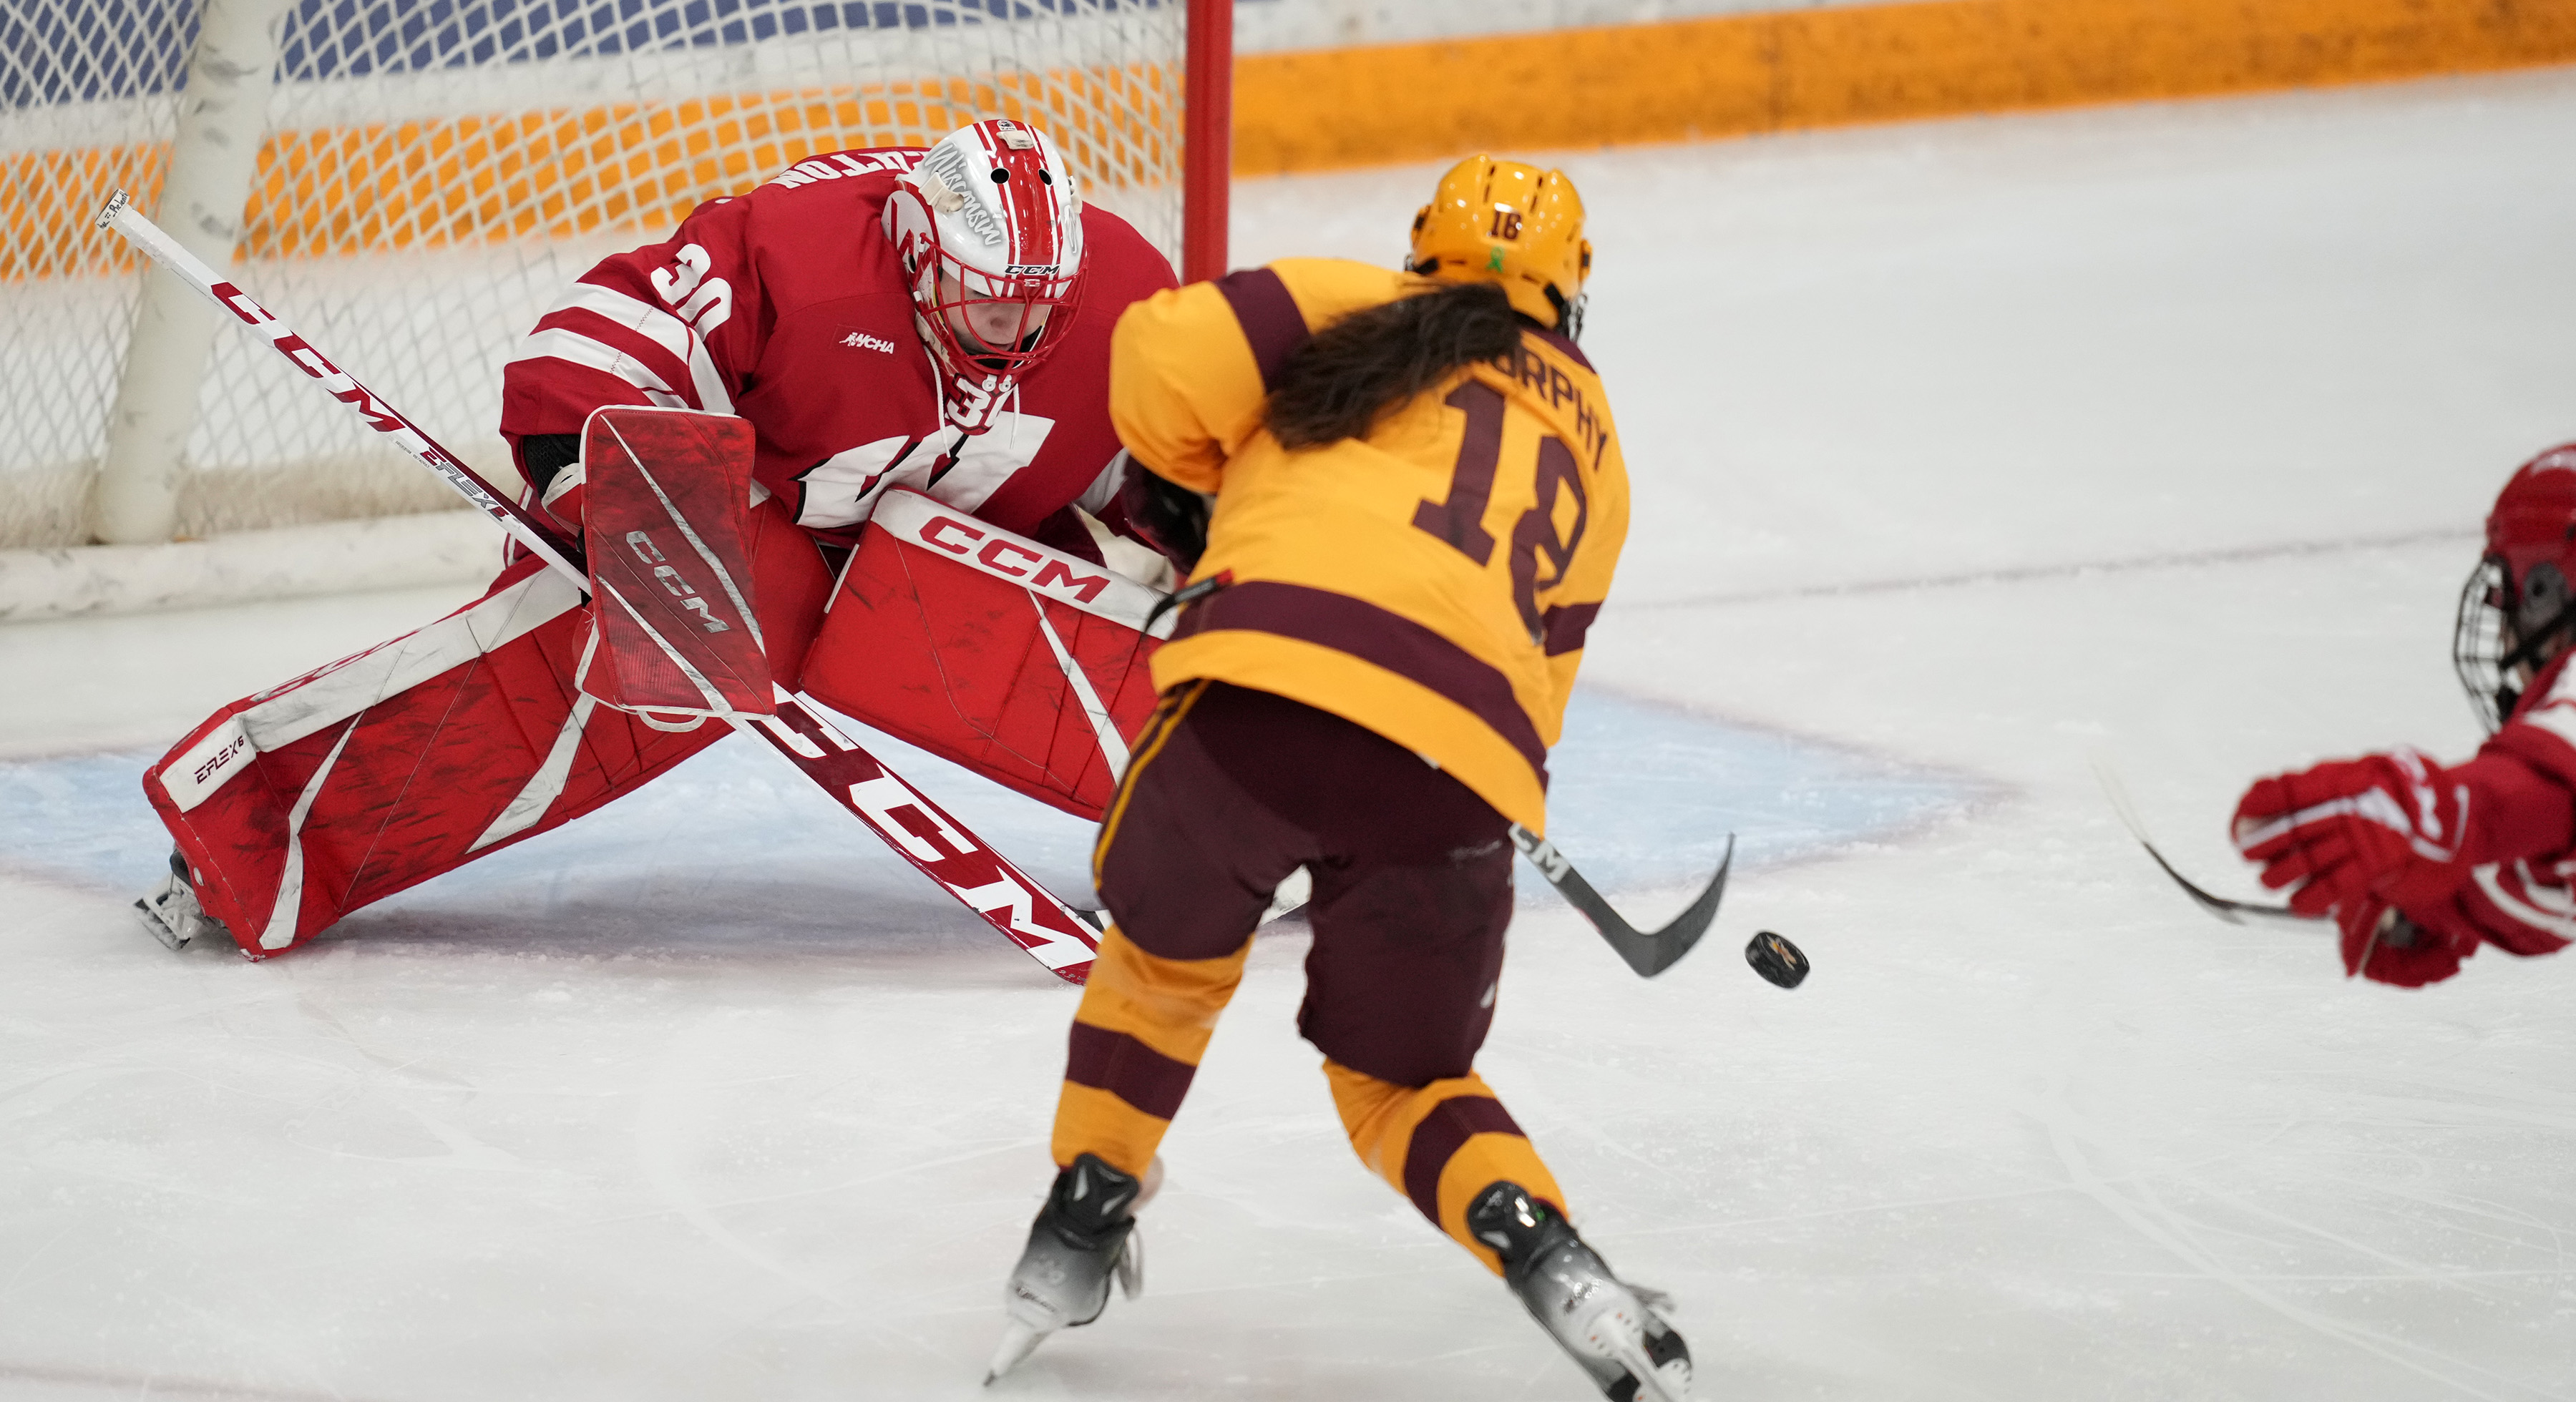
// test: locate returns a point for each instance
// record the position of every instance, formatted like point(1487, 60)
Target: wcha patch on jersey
point(862, 340)
point(1643, 798)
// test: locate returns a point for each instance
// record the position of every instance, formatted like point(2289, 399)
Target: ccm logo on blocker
point(651, 554)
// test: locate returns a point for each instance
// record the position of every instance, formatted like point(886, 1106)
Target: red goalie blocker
point(1025, 664)
point(666, 493)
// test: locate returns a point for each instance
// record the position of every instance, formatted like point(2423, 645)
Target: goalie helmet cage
point(413, 181)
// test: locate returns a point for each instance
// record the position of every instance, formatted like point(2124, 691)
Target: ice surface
point(1649, 796)
point(1964, 452)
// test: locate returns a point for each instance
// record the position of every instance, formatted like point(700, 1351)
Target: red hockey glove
point(2382, 944)
point(2344, 831)
point(2372, 839)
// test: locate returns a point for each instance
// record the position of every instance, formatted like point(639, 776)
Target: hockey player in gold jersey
point(1418, 504)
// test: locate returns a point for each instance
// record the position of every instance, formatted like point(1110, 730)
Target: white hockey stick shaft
point(1009, 899)
point(379, 415)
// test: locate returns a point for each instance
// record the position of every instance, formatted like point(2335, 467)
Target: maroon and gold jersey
point(787, 307)
point(1433, 581)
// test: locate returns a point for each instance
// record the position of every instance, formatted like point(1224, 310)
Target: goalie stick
point(1647, 952)
point(1009, 899)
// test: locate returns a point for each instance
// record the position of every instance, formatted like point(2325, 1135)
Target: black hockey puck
point(1774, 958)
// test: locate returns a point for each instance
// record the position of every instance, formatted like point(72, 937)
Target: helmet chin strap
point(1569, 315)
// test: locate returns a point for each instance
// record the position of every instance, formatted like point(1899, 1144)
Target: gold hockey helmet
point(1513, 224)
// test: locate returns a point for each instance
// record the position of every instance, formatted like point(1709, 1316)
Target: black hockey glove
point(542, 456)
point(1171, 517)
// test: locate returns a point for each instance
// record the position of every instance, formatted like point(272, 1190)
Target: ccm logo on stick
point(881, 798)
point(651, 554)
point(957, 538)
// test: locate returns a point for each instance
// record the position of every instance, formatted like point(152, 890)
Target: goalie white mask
point(989, 231)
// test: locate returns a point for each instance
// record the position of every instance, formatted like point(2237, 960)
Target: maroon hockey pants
point(1412, 871)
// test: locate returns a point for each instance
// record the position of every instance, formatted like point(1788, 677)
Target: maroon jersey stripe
point(1438, 1138)
point(1563, 346)
point(1379, 638)
point(1128, 1069)
point(1269, 317)
point(1566, 626)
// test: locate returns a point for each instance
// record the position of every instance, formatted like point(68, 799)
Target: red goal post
point(418, 181)
point(1207, 142)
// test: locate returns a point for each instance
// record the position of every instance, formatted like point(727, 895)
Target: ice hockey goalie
point(926, 327)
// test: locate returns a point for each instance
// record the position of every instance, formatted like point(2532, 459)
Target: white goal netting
point(433, 172)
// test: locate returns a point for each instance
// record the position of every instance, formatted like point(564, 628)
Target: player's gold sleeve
point(1191, 367)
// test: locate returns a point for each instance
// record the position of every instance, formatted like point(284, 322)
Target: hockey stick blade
point(1649, 953)
point(2395, 930)
point(2233, 912)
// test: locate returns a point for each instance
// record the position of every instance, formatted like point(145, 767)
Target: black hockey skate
point(171, 912)
point(1084, 1235)
point(1612, 1329)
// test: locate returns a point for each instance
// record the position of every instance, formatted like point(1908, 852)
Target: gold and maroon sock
point(1137, 1039)
point(1440, 1145)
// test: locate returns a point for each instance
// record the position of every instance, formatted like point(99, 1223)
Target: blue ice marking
point(1643, 797)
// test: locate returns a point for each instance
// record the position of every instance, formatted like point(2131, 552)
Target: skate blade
point(1018, 1342)
point(1130, 1267)
point(1620, 1337)
point(161, 929)
point(1654, 1384)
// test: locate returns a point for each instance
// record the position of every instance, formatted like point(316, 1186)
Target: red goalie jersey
point(789, 307)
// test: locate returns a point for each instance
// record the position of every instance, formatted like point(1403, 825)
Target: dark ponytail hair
point(1354, 371)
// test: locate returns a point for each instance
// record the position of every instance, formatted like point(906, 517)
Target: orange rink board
point(554, 173)
point(1742, 74)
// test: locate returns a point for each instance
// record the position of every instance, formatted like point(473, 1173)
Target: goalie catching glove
point(2369, 840)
